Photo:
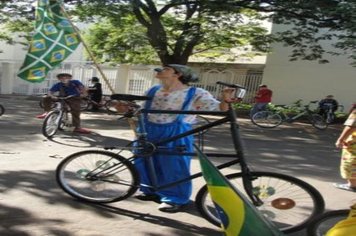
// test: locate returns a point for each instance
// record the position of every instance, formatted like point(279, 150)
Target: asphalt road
point(31, 203)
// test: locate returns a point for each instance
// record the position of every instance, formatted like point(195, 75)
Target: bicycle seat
point(129, 97)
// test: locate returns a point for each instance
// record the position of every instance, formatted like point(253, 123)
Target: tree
point(176, 29)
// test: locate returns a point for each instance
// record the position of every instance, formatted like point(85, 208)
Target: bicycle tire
point(266, 119)
point(2, 110)
point(109, 185)
point(276, 187)
point(40, 103)
point(318, 121)
point(110, 106)
point(321, 224)
point(51, 124)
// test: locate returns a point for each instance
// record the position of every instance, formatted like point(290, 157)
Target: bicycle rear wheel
point(51, 124)
point(2, 110)
point(110, 106)
point(320, 225)
point(318, 121)
point(266, 119)
point(97, 176)
point(287, 201)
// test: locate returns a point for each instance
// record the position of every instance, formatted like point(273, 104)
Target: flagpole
point(88, 50)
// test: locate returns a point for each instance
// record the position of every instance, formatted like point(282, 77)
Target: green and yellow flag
point(54, 40)
point(237, 214)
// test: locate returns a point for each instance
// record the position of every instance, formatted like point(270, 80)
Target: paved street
point(31, 203)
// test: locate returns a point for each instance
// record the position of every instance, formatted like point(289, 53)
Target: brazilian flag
point(237, 214)
point(53, 41)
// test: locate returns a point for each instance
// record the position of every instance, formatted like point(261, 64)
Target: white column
point(7, 77)
point(122, 79)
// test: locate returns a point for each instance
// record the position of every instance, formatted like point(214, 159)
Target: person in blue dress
point(173, 93)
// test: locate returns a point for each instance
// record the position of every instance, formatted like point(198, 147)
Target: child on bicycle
point(174, 93)
point(67, 87)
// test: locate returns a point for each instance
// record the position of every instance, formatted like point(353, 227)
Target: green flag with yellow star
point(54, 40)
point(238, 216)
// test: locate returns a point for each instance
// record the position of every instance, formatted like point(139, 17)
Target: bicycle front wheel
point(266, 119)
point(287, 201)
point(2, 110)
point(324, 222)
point(318, 122)
point(51, 124)
point(97, 176)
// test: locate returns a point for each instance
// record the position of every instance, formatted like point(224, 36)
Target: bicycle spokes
point(263, 191)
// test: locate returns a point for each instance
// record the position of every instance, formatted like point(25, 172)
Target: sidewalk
point(32, 204)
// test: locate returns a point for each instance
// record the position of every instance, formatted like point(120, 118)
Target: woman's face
point(167, 75)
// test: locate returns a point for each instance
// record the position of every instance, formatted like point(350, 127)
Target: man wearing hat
point(262, 98)
point(95, 92)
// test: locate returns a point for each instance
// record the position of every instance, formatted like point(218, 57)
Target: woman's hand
point(339, 144)
point(228, 95)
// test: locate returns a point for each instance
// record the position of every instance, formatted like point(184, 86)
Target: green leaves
point(171, 31)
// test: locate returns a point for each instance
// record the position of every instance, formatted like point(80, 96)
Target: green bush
point(291, 109)
point(242, 106)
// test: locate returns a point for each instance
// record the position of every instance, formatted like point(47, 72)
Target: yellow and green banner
point(238, 216)
point(54, 40)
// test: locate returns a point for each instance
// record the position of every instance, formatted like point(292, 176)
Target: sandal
point(345, 187)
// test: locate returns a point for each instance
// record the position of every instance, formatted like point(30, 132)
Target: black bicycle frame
point(229, 116)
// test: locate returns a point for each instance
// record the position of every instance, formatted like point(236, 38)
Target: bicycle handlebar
point(63, 98)
point(239, 92)
point(129, 97)
point(230, 85)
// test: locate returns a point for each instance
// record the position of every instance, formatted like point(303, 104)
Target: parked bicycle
point(57, 118)
point(320, 225)
point(271, 119)
point(102, 176)
point(2, 110)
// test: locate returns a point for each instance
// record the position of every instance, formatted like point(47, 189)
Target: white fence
point(131, 79)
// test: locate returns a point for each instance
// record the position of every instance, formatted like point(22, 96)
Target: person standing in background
point(95, 92)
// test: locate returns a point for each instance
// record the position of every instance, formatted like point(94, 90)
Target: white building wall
point(309, 80)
